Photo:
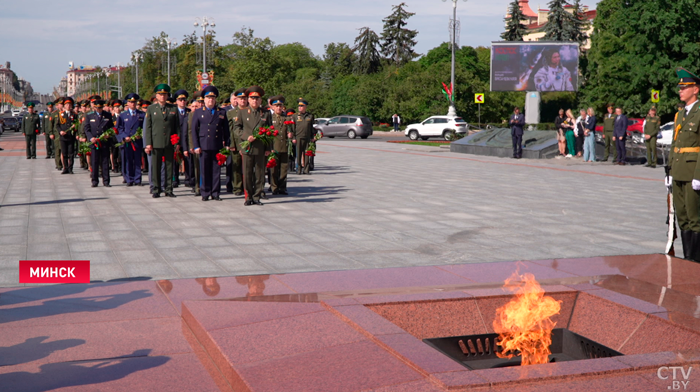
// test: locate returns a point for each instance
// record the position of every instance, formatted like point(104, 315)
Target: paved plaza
point(368, 204)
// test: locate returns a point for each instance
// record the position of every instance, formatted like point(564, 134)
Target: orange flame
point(524, 324)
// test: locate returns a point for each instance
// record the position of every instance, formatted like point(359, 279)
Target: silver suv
point(346, 125)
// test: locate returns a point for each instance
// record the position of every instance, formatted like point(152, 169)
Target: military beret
point(210, 91)
point(241, 92)
point(302, 102)
point(255, 91)
point(99, 103)
point(162, 89)
point(132, 97)
point(68, 100)
point(30, 104)
point(277, 99)
point(181, 94)
point(687, 78)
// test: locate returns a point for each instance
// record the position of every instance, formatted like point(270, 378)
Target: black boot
point(695, 247)
point(686, 240)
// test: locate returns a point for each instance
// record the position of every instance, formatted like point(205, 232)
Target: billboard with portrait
point(534, 66)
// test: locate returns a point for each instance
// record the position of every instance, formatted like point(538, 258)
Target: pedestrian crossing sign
point(655, 96)
point(478, 98)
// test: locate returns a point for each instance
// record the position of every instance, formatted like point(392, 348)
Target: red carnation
point(269, 133)
point(175, 139)
point(272, 127)
point(276, 133)
point(261, 132)
point(116, 132)
point(271, 163)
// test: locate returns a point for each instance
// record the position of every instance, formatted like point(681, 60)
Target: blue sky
point(39, 38)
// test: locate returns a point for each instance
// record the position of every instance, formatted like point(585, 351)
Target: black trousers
point(579, 143)
point(517, 144)
point(210, 172)
point(621, 149)
point(99, 159)
point(67, 150)
point(254, 175)
point(157, 162)
point(189, 170)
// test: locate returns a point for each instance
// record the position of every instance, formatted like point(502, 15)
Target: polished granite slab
point(353, 330)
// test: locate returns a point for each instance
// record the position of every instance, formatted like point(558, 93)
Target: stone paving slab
point(368, 204)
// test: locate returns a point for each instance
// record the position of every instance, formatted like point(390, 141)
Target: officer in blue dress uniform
point(95, 124)
point(210, 133)
point(128, 122)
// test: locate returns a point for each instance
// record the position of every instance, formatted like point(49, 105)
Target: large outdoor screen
point(534, 66)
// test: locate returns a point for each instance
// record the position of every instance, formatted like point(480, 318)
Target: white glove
point(668, 181)
point(696, 185)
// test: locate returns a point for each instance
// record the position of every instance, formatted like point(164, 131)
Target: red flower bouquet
point(272, 160)
point(265, 134)
point(222, 156)
point(175, 139)
point(311, 150)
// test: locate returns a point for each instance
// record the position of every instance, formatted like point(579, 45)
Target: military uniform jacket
point(303, 126)
point(160, 123)
point(184, 129)
point(31, 124)
point(210, 131)
point(248, 120)
point(686, 146)
point(53, 120)
point(281, 140)
point(64, 122)
point(46, 124)
point(609, 122)
point(95, 124)
point(652, 126)
point(232, 116)
point(128, 125)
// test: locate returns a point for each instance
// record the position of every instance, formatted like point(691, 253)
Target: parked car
point(319, 122)
point(15, 112)
point(347, 125)
point(11, 123)
point(665, 134)
point(436, 126)
point(635, 131)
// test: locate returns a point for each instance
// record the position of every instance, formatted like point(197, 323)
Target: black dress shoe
point(123, 181)
point(217, 198)
point(33, 157)
point(156, 195)
point(257, 202)
point(65, 172)
point(229, 190)
point(129, 184)
point(283, 193)
point(94, 185)
point(170, 194)
point(107, 186)
point(205, 198)
point(29, 157)
point(47, 157)
point(275, 192)
point(248, 203)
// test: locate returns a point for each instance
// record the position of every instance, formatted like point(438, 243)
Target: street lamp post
point(119, 78)
point(452, 111)
point(137, 56)
point(170, 43)
point(204, 22)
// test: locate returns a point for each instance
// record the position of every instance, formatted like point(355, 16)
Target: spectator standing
point(517, 121)
point(651, 128)
point(620, 136)
point(579, 130)
point(558, 121)
point(589, 137)
point(608, 127)
point(396, 120)
point(568, 125)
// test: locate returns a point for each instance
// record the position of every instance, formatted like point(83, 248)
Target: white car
point(436, 126)
point(665, 135)
point(15, 112)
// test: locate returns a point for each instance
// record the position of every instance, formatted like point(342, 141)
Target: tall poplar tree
point(514, 23)
point(398, 41)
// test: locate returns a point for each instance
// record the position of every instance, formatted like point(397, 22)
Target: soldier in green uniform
point(31, 126)
point(684, 174)
point(46, 129)
point(608, 127)
point(161, 122)
point(234, 177)
point(248, 121)
point(278, 174)
point(651, 126)
point(82, 112)
point(303, 133)
point(54, 135)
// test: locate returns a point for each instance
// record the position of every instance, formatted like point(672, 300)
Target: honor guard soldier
point(210, 133)
point(54, 135)
point(278, 174)
point(685, 171)
point(95, 124)
point(651, 126)
point(183, 115)
point(67, 131)
point(46, 129)
point(248, 121)
point(160, 124)
point(31, 126)
point(303, 132)
point(608, 128)
point(197, 103)
point(128, 123)
point(234, 164)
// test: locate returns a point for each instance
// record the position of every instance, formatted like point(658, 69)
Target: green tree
point(636, 47)
point(366, 47)
point(398, 41)
point(560, 23)
point(514, 23)
point(580, 23)
point(338, 60)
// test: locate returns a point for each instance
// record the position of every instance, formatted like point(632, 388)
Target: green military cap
point(240, 93)
point(277, 99)
point(30, 105)
point(302, 102)
point(162, 89)
point(687, 78)
point(58, 100)
point(49, 103)
point(255, 91)
point(85, 103)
